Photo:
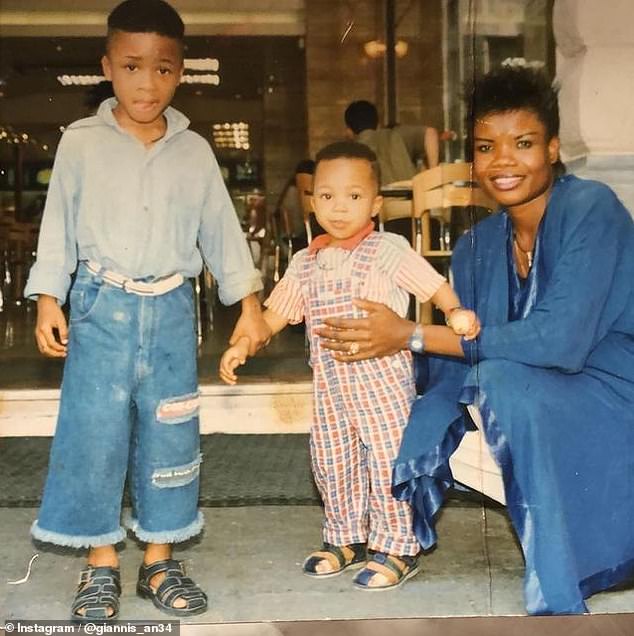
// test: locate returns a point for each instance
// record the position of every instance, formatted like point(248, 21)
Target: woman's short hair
point(510, 88)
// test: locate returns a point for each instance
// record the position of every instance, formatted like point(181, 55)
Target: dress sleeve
point(566, 324)
point(286, 299)
point(409, 270)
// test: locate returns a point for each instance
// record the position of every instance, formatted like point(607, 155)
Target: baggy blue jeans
point(129, 407)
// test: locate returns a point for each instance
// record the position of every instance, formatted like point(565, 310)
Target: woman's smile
point(506, 182)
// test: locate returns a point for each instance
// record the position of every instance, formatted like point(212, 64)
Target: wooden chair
point(437, 193)
point(397, 208)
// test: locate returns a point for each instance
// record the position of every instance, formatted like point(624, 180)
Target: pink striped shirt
point(397, 272)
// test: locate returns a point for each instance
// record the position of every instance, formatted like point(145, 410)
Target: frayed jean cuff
point(163, 536)
point(77, 541)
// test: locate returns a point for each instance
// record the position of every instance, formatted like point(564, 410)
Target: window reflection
point(288, 90)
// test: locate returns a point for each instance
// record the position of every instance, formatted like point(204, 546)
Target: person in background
point(360, 410)
point(551, 374)
point(135, 203)
point(290, 212)
point(402, 151)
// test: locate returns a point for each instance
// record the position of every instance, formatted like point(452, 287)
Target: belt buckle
point(124, 285)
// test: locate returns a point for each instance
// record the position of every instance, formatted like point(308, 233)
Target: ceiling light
point(233, 135)
point(375, 48)
point(204, 78)
point(80, 80)
point(92, 80)
point(201, 64)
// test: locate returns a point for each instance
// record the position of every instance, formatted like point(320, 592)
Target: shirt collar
point(176, 121)
point(324, 240)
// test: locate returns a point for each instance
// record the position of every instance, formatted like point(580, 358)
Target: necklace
point(527, 253)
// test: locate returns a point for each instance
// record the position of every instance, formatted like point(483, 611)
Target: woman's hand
point(382, 332)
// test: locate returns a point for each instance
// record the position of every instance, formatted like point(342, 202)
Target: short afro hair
point(510, 88)
point(360, 116)
point(349, 150)
point(146, 16)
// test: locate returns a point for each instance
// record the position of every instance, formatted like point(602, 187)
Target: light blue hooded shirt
point(137, 211)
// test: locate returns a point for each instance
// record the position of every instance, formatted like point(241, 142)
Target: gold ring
point(354, 348)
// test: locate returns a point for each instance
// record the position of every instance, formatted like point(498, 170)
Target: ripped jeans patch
point(176, 476)
point(178, 409)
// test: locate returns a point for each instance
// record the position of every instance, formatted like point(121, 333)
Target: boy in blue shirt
point(136, 201)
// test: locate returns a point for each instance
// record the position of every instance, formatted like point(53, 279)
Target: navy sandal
point(396, 569)
point(340, 558)
point(176, 585)
point(97, 597)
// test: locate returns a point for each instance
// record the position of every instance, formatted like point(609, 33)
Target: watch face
point(416, 344)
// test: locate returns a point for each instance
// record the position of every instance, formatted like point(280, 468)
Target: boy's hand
point(251, 325)
point(50, 318)
point(464, 322)
point(232, 358)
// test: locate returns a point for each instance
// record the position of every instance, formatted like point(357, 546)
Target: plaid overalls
point(360, 411)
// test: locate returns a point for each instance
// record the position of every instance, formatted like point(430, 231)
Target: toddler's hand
point(464, 322)
point(232, 358)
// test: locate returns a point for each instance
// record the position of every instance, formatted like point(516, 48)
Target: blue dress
point(552, 374)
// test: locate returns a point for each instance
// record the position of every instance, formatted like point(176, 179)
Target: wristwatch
point(416, 342)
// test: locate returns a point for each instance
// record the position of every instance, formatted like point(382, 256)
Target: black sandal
point(175, 585)
point(97, 594)
point(335, 556)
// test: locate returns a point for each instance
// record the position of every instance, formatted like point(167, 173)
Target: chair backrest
point(437, 190)
point(304, 184)
point(396, 207)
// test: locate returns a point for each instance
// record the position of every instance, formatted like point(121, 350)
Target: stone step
point(266, 407)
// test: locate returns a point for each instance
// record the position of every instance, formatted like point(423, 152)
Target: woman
point(552, 372)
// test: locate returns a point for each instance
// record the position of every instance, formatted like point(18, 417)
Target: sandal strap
point(175, 585)
point(98, 591)
point(336, 551)
point(391, 563)
point(334, 557)
point(358, 551)
point(169, 566)
point(172, 588)
point(331, 550)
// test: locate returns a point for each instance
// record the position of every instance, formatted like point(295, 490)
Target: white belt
point(154, 288)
